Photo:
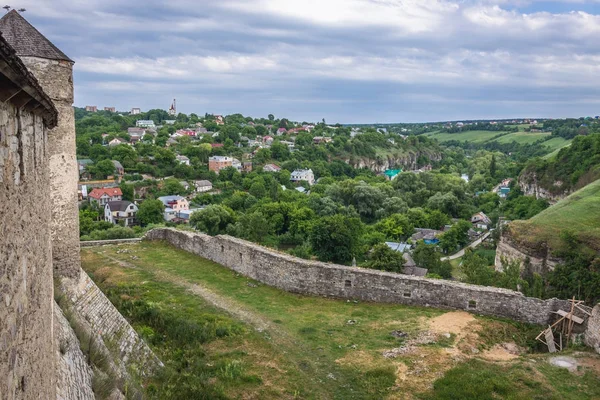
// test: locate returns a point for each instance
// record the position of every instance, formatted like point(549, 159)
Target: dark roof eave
point(16, 71)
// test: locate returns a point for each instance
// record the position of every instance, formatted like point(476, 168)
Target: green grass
point(556, 143)
point(523, 137)
point(311, 347)
point(579, 213)
point(469, 136)
point(477, 380)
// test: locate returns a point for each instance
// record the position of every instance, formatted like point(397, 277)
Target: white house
point(271, 168)
point(173, 205)
point(303, 175)
point(120, 211)
point(116, 142)
point(203, 186)
point(135, 111)
point(145, 123)
point(183, 160)
point(481, 221)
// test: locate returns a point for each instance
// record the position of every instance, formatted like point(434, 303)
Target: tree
point(213, 220)
point(258, 189)
point(493, 166)
point(151, 212)
point(127, 190)
point(172, 187)
point(336, 238)
point(385, 259)
point(426, 256)
point(271, 117)
point(102, 169)
point(476, 269)
point(396, 227)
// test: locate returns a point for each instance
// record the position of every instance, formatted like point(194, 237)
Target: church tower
point(54, 71)
point(173, 108)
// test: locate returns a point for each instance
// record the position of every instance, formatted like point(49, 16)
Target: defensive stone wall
point(101, 317)
point(592, 333)
point(26, 352)
point(56, 78)
point(330, 280)
point(93, 243)
point(74, 375)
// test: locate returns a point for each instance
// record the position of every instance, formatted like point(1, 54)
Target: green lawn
point(270, 344)
point(579, 213)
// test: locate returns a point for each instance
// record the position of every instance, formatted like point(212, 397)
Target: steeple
point(26, 40)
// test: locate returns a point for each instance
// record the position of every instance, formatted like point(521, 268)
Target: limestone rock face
point(406, 161)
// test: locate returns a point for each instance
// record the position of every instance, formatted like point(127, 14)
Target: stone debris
point(351, 322)
point(398, 334)
point(425, 337)
point(331, 376)
point(250, 284)
point(393, 353)
point(564, 362)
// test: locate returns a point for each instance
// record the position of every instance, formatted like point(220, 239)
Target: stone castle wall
point(56, 78)
point(592, 333)
point(91, 306)
point(316, 278)
point(74, 375)
point(27, 362)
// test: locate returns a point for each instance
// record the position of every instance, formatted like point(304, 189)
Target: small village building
point(91, 108)
point(136, 111)
point(481, 221)
point(145, 123)
point(173, 205)
point(119, 170)
point(183, 160)
point(116, 142)
point(400, 247)
point(300, 175)
point(120, 212)
point(247, 166)
point(104, 195)
point(217, 163)
point(271, 168)
point(203, 186)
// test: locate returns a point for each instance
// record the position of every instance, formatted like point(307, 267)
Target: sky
point(348, 61)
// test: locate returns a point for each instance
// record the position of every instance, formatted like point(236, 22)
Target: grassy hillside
point(224, 336)
point(521, 137)
point(579, 213)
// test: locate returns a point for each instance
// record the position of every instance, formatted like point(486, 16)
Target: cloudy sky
point(348, 61)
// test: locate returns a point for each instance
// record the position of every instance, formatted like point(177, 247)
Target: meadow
point(224, 336)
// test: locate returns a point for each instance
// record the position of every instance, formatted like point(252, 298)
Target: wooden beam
point(21, 99)
point(569, 316)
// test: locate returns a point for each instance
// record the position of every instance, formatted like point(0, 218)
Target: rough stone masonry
point(317, 278)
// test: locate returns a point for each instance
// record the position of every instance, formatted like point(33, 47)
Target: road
point(472, 245)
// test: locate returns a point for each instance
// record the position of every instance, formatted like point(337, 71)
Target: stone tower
point(54, 71)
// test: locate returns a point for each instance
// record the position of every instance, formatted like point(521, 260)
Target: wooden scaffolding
point(562, 329)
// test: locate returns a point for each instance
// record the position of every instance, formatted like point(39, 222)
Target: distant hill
point(571, 168)
point(578, 213)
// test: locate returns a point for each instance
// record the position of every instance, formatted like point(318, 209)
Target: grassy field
point(224, 336)
point(579, 213)
point(523, 137)
point(469, 136)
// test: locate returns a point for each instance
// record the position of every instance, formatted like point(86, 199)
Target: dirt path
point(233, 308)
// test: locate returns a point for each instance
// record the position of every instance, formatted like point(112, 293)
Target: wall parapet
point(330, 280)
point(93, 243)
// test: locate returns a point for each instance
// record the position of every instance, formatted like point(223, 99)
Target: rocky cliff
point(541, 262)
point(407, 160)
point(531, 186)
